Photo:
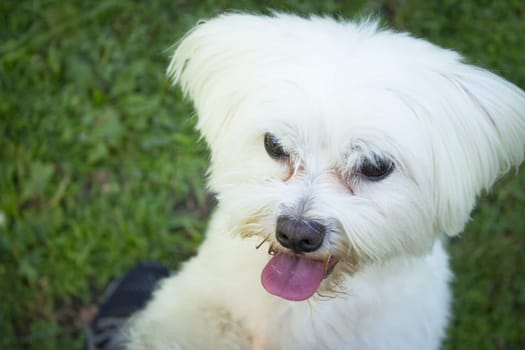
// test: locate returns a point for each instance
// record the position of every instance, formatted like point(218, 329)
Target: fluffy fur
point(334, 94)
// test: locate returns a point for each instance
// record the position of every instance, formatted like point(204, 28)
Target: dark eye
point(376, 168)
point(273, 147)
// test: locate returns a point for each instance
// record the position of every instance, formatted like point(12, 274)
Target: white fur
point(333, 93)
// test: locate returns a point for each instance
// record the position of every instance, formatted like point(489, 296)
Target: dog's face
point(340, 145)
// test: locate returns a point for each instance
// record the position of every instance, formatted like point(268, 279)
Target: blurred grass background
point(100, 166)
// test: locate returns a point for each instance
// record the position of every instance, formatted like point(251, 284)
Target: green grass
point(100, 166)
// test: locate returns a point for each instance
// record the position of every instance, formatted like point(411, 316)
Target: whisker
point(263, 241)
point(325, 296)
point(326, 263)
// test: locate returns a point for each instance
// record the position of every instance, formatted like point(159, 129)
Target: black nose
point(298, 234)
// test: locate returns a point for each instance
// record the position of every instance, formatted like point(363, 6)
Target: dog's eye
point(273, 147)
point(376, 169)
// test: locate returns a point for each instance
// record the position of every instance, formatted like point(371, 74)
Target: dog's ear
point(478, 135)
point(212, 65)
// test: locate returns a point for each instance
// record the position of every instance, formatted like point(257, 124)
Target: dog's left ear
point(213, 64)
point(478, 130)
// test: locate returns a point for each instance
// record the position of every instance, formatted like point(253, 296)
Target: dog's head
point(340, 144)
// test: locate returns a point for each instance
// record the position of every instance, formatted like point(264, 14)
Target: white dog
point(342, 156)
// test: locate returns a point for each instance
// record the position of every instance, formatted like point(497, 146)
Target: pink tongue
point(292, 277)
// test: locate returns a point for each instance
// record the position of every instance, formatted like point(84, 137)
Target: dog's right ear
point(480, 136)
point(214, 64)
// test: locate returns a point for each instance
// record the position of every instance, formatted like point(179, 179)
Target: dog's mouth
point(295, 277)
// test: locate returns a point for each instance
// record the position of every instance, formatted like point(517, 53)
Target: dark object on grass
point(122, 298)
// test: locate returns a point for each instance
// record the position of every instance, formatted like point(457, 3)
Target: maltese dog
point(342, 156)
